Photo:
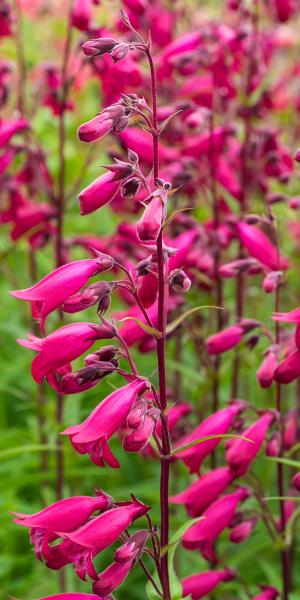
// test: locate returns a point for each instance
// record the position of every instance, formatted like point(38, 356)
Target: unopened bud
point(294, 202)
point(130, 188)
point(297, 156)
point(272, 281)
point(120, 125)
point(273, 445)
point(179, 281)
point(296, 482)
point(132, 156)
point(99, 46)
point(143, 267)
point(252, 219)
point(119, 51)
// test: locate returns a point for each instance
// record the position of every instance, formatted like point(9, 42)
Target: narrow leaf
point(207, 438)
point(144, 326)
point(284, 461)
point(174, 324)
point(173, 215)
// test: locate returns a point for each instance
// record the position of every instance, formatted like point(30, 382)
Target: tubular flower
point(61, 347)
point(104, 189)
point(9, 128)
point(218, 516)
point(260, 247)
point(92, 436)
point(112, 119)
point(72, 596)
point(288, 369)
point(241, 453)
point(81, 14)
point(266, 371)
point(200, 585)
point(125, 557)
point(268, 593)
point(149, 225)
point(200, 494)
point(230, 337)
point(217, 423)
point(53, 290)
point(100, 533)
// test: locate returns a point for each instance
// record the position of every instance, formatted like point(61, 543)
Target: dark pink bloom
point(272, 281)
point(289, 369)
point(53, 290)
point(98, 193)
point(284, 9)
point(224, 340)
point(202, 584)
point(102, 531)
point(260, 247)
point(236, 267)
point(266, 371)
point(288, 317)
point(148, 227)
point(72, 596)
point(140, 142)
point(241, 453)
point(217, 423)
point(201, 493)
point(107, 418)
point(202, 535)
point(98, 46)
point(268, 593)
point(125, 557)
point(66, 515)
point(96, 293)
point(81, 14)
point(230, 337)
point(9, 128)
point(62, 347)
point(240, 532)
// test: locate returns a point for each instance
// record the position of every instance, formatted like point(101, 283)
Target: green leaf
point(144, 326)
point(284, 461)
point(7, 453)
point(174, 324)
point(206, 438)
point(173, 215)
point(175, 583)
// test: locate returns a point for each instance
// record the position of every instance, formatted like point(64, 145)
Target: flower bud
point(294, 202)
point(242, 531)
point(297, 156)
point(273, 445)
point(136, 416)
point(252, 219)
point(130, 188)
point(120, 125)
point(135, 440)
point(106, 353)
point(143, 267)
point(132, 156)
point(272, 281)
point(132, 548)
point(120, 169)
point(99, 46)
point(179, 281)
point(119, 51)
point(296, 482)
point(265, 373)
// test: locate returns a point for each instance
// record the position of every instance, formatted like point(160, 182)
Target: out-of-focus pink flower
point(62, 347)
point(217, 423)
point(201, 493)
point(241, 453)
point(288, 369)
point(140, 142)
point(72, 596)
point(200, 585)
point(202, 535)
point(284, 9)
point(289, 506)
point(265, 373)
point(287, 317)
point(236, 267)
point(272, 281)
point(10, 127)
point(260, 247)
point(268, 593)
point(52, 291)
point(81, 14)
point(230, 337)
point(240, 532)
point(296, 482)
point(107, 418)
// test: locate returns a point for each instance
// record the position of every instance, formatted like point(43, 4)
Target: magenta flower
point(98, 193)
point(136, 439)
point(81, 14)
point(148, 227)
point(268, 593)
point(107, 418)
point(242, 453)
point(229, 337)
point(82, 545)
point(266, 371)
point(217, 423)
point(201, 493)
point(125, 557)
point(202, 535)
point(260, 247)
point(62, 347)
point(9, 128)
point(111, 119)
point(200, 585)
point(284, 9)
point(240, 532)
point(72, 596)
point(53, 290)
point(67, 514)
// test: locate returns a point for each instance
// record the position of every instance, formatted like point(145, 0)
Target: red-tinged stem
point(21, 75)
point(162, 267)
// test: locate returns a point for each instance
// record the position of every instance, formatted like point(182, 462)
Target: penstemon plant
point(207, 138)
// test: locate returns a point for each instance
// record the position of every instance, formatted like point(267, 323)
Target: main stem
point(162, 267)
